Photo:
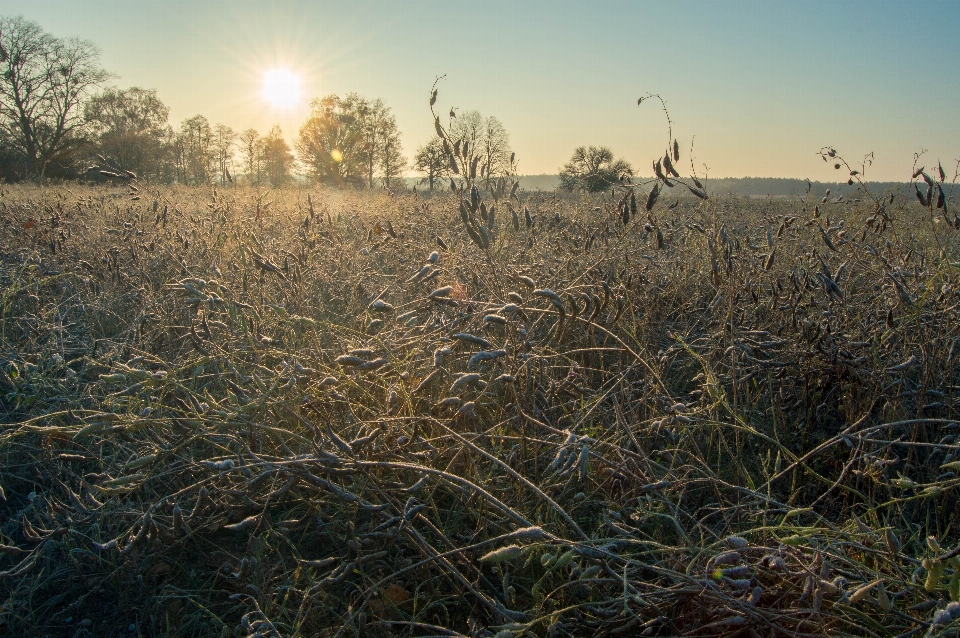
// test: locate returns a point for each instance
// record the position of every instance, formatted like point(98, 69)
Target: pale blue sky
point(762, 85)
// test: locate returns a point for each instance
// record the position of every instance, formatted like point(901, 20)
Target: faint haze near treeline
point(746, 186)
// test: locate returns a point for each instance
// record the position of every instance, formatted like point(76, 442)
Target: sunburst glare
point(281, 88)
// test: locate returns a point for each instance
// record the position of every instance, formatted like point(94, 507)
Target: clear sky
point(762, 85)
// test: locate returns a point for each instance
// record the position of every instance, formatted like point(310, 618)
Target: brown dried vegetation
point(240, 413)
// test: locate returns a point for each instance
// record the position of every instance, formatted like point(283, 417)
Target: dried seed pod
point(428, 379)
point(475, 237)
point(484, 237)
point(469, 338)
point(826, 239)
point(549, 294)
point(941, 618)
point(736, 542)
point(652, 197)
point(376, 363)
point(883, 600)
point(862, 592)
point(668, 165)
point(178, 523)
point(503, 554)
point(906, 365)
point(934, 569)
point(738, 583)
point(768, 262)
point(440, 293)
point(145, 525)
point(248, 523)
point(727, 558)
point(465, 379)
point(584, 462)
point(380, 305)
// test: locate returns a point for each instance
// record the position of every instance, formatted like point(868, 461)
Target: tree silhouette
point(350, 140)
point(277, 158)
point(431, 159)
point(130, 127)
point(592, 168)
point(43, 83)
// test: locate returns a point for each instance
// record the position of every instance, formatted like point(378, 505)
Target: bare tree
point(392, 161)
point(277, 158)
point(130, 128)
point(329, 144)
point(351, 140)
point(251, 148)
point(431, 159)
point(372, 120)
point(42, 87)
point(223, 142)
point(495, 155)
point(592, 168)
point(487, 145)
point(380, 146)
point(194, 150)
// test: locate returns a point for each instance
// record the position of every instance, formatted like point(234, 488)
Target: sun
point(281, 88)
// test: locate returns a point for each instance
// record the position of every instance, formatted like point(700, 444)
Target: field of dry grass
point(300, 413)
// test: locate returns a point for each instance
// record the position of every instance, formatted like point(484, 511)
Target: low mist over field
point(488, 320)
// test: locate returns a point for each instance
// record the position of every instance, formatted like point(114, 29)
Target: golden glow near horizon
point(281, 88)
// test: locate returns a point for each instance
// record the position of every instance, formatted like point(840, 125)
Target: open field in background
point(747, 186)
point(237, 414)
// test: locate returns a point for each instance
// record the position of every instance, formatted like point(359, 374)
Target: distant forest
point(746, 186)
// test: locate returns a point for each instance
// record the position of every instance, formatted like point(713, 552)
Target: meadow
point(300, 412)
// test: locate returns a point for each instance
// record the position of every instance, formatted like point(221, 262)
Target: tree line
point(57, 116)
